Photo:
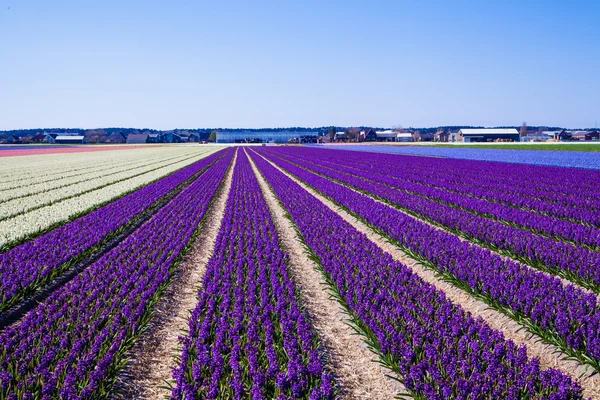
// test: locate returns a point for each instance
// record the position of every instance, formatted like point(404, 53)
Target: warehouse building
point(404, 137)
point(137, 138)
point(69, 140)
point(488, 135)
point(261, 137)
point(386, 136)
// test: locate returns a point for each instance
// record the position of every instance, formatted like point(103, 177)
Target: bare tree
point(353, 134)
point(523, 130)
point(398, 128)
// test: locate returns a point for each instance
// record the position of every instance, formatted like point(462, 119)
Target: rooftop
point(490, 131)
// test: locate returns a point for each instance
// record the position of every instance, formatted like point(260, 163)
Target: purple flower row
point(560, 258)
point(248, 337)
point(454, 195)
point(564, 315)
point(545, 182)
point(439, 351)
point(71, 345)
point(558, 195)
point(29, 266)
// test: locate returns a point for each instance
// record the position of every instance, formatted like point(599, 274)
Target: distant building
point(594, 135)
point(488, 135)
point(73, 139)
point(153, 138)
point(368, 135)
point(49, 138)
point(578, 135)
point(340, 136)
point(260, 136)
point(308, 139)
point(404, 137)
point(535, 137)
point(386, 136)
point(116, 137)
point(38, 139)
point(552, 134)
point(137, 138)
point(8, 138)
point(441, 136)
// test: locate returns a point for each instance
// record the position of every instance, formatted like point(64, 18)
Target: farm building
point(368, 135)
point(78, 139)
point(49, 138)
point(584, 135)
point(153, 138)
point(535, 137)
point(137, 138)
point(404, 137)
point(441, 136)
point(7, 138)
point(116, 137)
point(488, 135)
point(386, 136)
point(38, 138)
point(340, 136)
point(594, 135)
point(260, 137)
point(551, 134)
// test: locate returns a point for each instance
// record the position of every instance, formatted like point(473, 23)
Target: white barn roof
point(69, 138)
point(386, 134)
point(490, 131)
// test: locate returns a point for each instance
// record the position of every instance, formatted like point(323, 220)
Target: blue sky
point(168, 64)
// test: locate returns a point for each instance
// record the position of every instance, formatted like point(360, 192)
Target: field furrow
point(550, 356)
point(73, 344)
point(23, 226)
point(562, 196)
point(28, 268)
point(152, 357)
point(564, 316)
point(559, 229)
point(418, 333)
point(349, 358)
point(574, 263)
point(248, 336)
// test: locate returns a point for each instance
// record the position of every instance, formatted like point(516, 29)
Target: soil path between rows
point(152, 357)
point(550, 356)
point(565, 282)
point(355, 367)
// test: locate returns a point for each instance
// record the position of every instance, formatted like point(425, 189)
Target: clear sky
point(187, 64)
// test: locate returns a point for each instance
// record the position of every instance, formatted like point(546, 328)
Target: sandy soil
point(550, 356)
point(146, 375)
point(359, 376)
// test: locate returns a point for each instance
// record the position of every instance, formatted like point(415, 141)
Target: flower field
point(456, 279)
point(571, 158)
point(34, 201)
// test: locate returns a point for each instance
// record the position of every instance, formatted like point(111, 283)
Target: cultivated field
point(579, 155)
point(203, 272)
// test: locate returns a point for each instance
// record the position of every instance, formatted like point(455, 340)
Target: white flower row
point(26, 170)
point(41, 218)
point(81, 176)
point(21, 205)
